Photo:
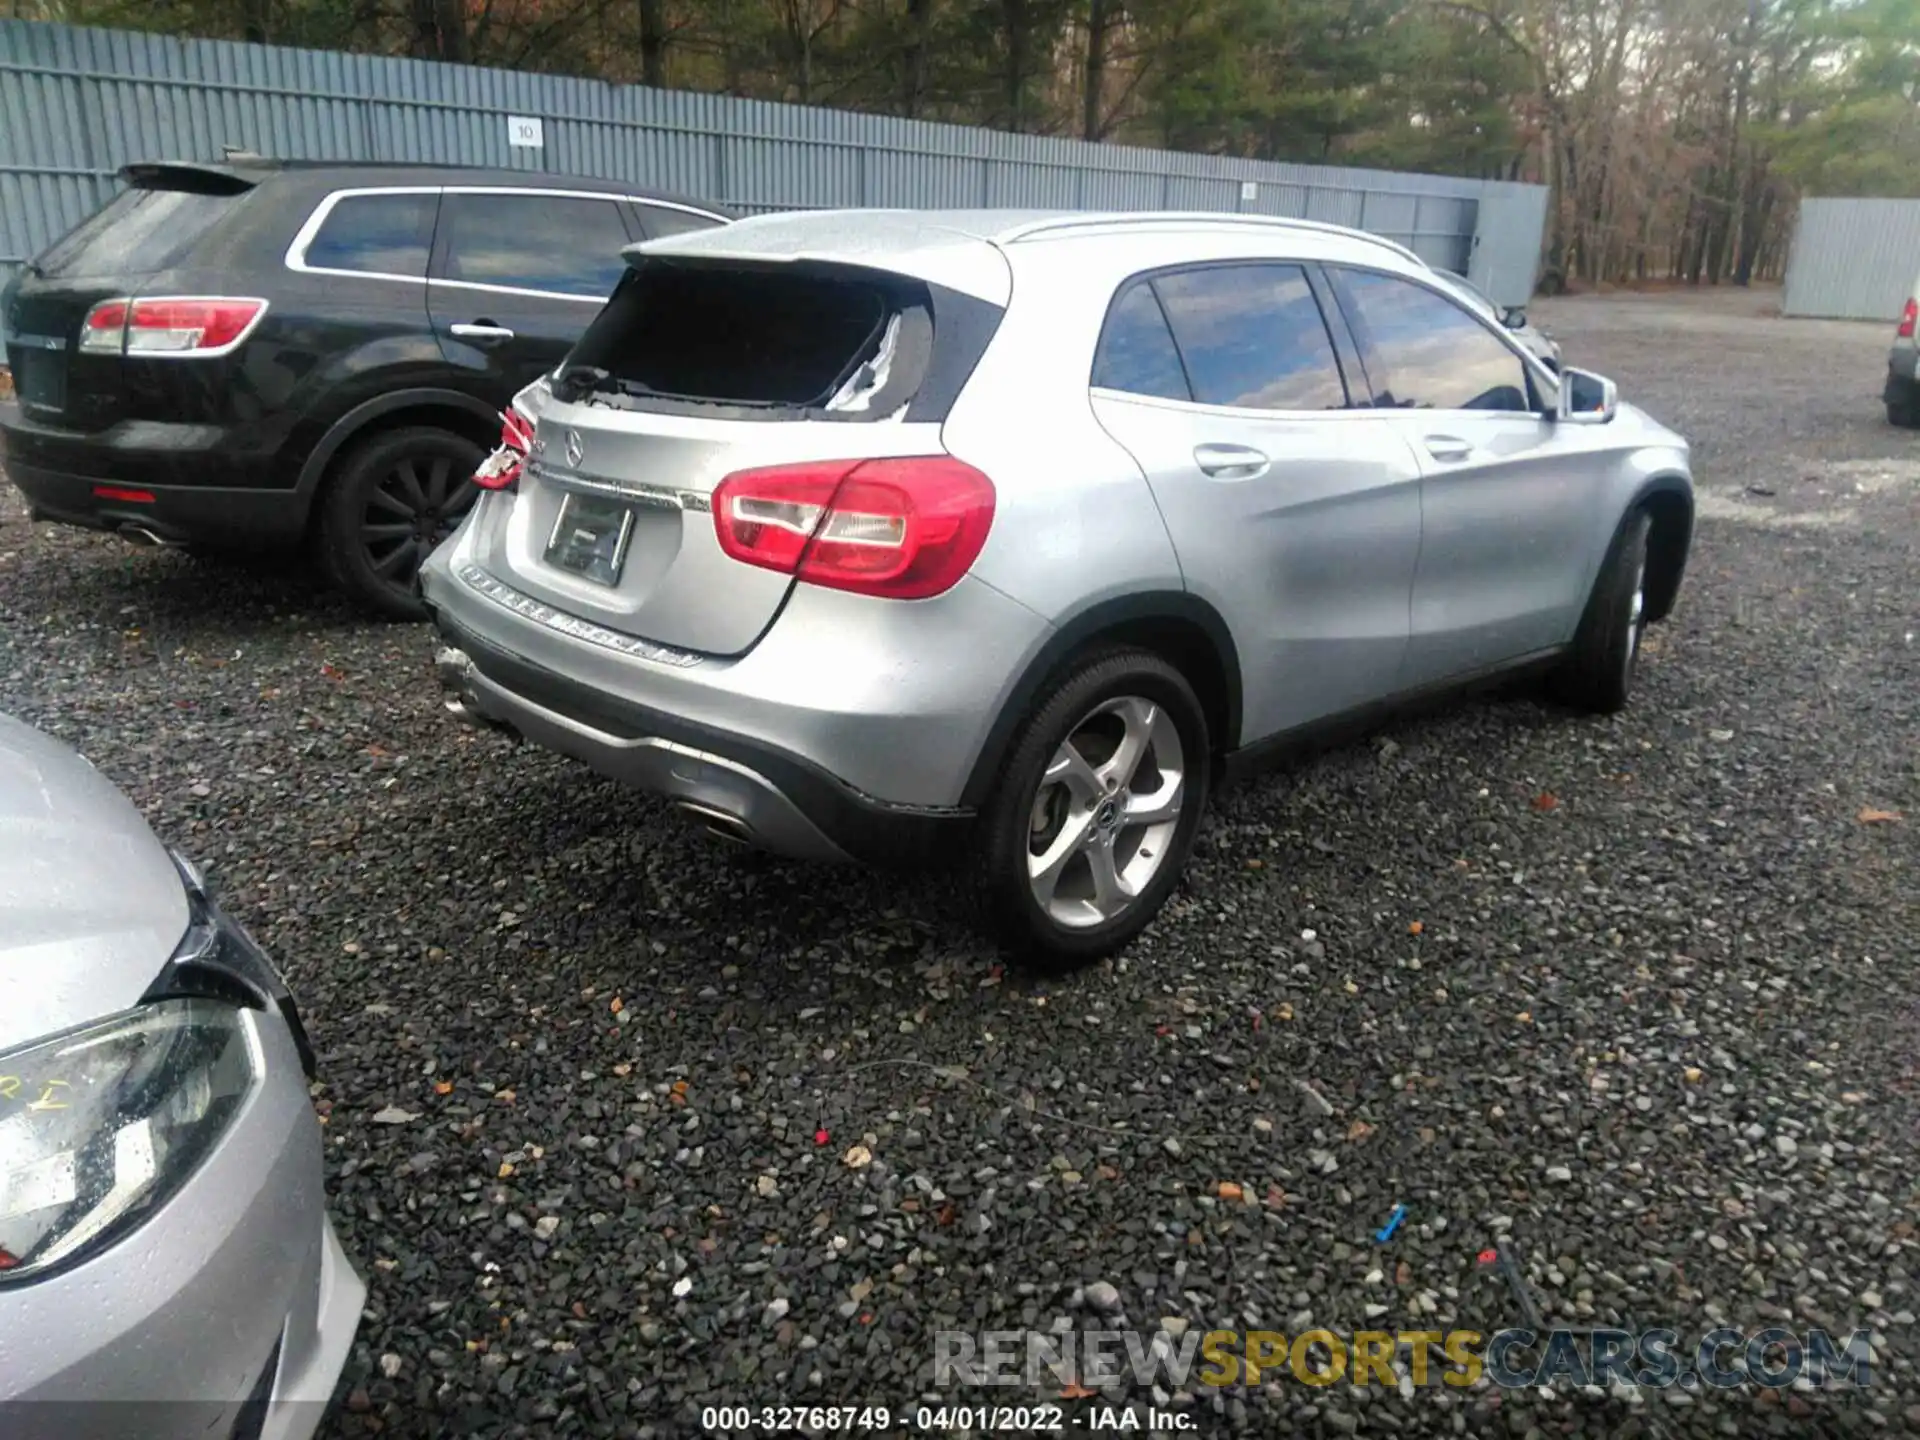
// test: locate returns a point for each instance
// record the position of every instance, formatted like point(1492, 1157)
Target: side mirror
point(1514, 317)
point(1586, 398)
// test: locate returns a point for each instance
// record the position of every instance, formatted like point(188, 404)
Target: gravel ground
point(597, 1094)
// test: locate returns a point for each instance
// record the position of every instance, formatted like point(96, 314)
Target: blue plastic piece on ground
point(1385, 1232)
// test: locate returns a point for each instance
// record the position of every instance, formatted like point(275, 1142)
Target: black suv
point(250, 355)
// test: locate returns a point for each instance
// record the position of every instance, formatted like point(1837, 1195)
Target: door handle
point(484, 331)
point(1229, 462)
point(1448, 447)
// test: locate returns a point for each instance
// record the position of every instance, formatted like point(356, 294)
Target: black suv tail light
point(195, 325)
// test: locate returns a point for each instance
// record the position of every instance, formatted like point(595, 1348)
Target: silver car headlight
point(100, 1125)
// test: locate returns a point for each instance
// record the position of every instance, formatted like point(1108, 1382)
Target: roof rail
point(1212, 217)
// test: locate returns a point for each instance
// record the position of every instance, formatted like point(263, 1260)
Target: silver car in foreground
point(859, 533)
point(166, 1264)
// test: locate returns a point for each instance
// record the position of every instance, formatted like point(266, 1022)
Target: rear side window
point(533, 242)
point(139, 231)
point(661, 220)
point(1253, 337)
point(1137, 354)
point(376, 235)
point(796, 337)
point(1435, 354)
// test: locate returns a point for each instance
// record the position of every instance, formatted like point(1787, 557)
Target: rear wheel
point(1903, 404)
point(388, 504)
point(1097, 809)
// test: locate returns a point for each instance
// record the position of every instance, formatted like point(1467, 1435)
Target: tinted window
point(663, 221)
point(376, 234)
point(137, 232)
point(1436, 356)
point(534, 242)
point(1137, 354)
point(1253, 336)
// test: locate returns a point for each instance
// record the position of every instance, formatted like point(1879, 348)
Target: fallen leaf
point(1231, 1191)
point(1077, 1391)
point(443, 1087)
point(506, 1169)
point(1414, 927)
point(1256, 864)
point(1283, 1011)
point(378, 752)
point(1402, 1273)
point(1106, 1172)
point(505, 1097)
point(1878, 817)
point(856, 1157)
point(1546, 800)
point(617, 1006)
point(945, 1214)
point(1359, 1130)
point(1525, 1017)
point(623, 1068)
point(1693, 1074)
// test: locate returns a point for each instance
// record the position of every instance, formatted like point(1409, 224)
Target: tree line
point(1676, 135)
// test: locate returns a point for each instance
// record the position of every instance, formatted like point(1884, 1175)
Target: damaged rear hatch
point(771, 343)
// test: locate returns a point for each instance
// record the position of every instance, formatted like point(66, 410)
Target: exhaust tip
point(718, 823)
point(146, 539)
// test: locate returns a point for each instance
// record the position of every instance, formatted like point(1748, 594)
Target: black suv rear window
point(139, 231)
point(791, 338)
point(376, 235)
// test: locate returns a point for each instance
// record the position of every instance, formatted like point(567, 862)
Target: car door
point(517, 275)
point(1510, 500)
point(1295, 516)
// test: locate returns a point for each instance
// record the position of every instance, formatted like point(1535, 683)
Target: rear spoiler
point(196, 179)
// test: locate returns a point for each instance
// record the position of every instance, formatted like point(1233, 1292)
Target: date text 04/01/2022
point(1010, 1419)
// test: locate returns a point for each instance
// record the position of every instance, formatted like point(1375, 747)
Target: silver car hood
point(91, 905)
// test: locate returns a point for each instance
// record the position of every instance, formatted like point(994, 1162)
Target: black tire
point(388, 502)
point(1903, 406)
point(1598, 671)
point(1012, 821)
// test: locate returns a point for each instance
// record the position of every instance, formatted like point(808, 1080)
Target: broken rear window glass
point(790, 338)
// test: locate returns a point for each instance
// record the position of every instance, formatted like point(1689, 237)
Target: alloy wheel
point(416, 505)
point(1105, 812)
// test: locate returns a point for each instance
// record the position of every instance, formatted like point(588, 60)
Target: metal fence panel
point(1852, 259)
point(76, 104)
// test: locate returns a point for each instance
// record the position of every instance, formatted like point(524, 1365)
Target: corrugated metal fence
point(76, 104)
point(1852, 259)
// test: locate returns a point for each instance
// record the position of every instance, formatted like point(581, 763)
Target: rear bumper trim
point(475, 578)
point(789, 805)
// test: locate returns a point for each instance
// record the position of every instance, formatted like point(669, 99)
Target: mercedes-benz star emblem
point(575, 449)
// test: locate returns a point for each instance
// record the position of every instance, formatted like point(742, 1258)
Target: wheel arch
point(453, 410)
point(1180, 627)
point(1668, 501)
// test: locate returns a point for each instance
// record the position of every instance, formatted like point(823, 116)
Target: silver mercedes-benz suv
point(856, 532)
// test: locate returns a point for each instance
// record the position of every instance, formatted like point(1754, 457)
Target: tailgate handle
point(1229, 462)
point(482, 330)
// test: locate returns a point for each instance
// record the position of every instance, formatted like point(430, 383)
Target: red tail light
point(176, 325)
point(1908, 318)
point(501, 470)
point(904, 529)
